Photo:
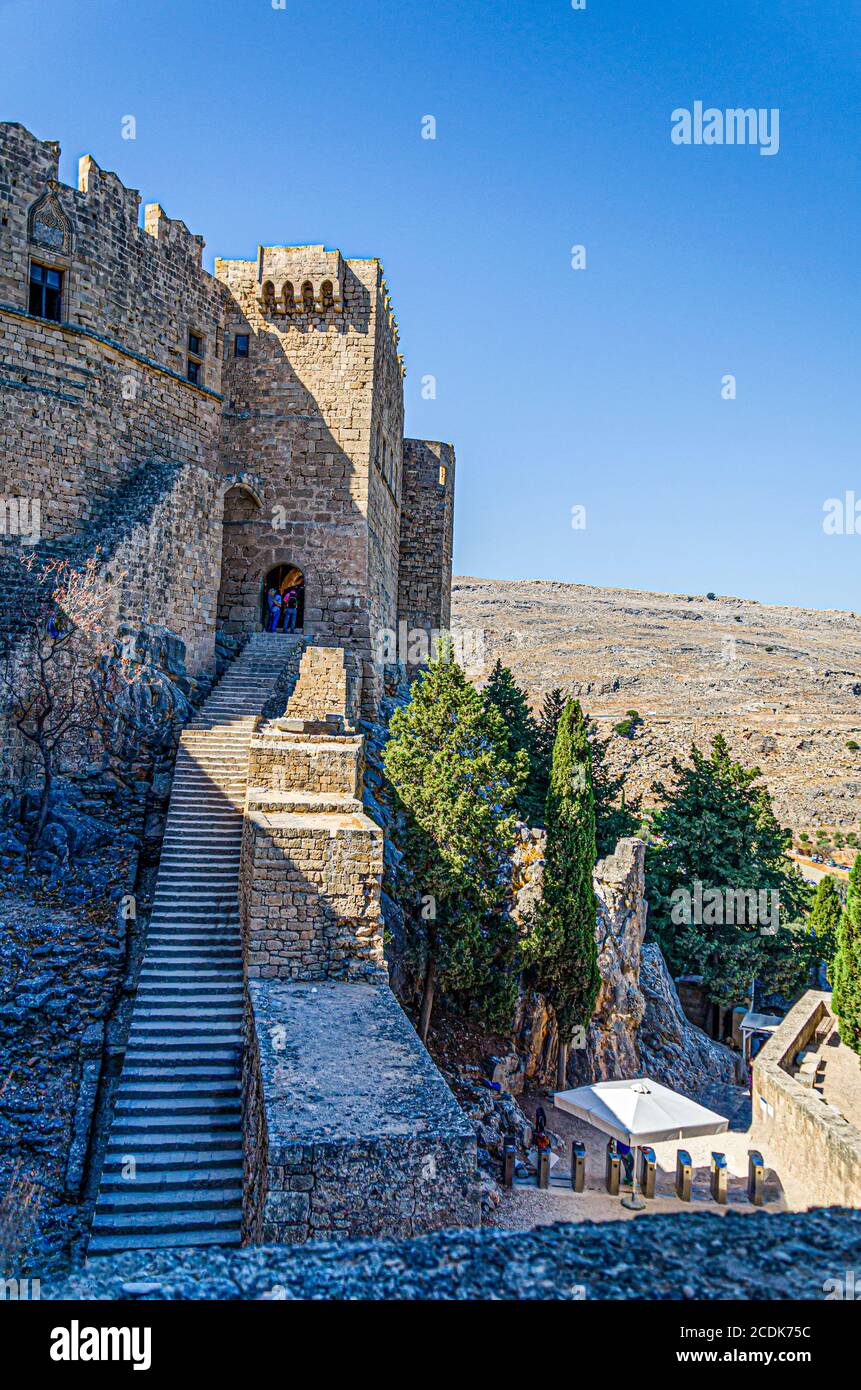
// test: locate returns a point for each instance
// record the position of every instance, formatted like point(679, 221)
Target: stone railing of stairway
point(349, 1126)
point(173, 1168)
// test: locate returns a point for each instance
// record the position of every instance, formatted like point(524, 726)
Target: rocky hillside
point(782, 684)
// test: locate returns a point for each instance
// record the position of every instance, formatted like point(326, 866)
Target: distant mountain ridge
point(782, 683)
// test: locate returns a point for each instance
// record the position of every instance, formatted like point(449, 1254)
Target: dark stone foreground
point(751, 1256)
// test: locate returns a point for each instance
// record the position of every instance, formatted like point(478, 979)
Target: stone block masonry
point(807, 1139)
point(349, 1128)
point(362, 1135)
point(312, 861)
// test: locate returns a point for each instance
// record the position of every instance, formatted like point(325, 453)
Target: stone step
point(219, 1120)
point(219, 916)
point(167, 974)
point(190, 934)
point(230, 997)
point(179, 1219)
point(167, 1148)
point(172, 1039)
point(156, 1090)
point(149, 1061)
point(171, 1011)
point(163, 1179)
point(217, 1197)
point(160, 954)
point(145, 1053)
point(186, 1110)
point(117, 1244)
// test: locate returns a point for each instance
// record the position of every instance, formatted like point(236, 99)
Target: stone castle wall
point(424, 584)
point(308, 411)
point(294, 452)
point(87, 401)
point(806, 1138)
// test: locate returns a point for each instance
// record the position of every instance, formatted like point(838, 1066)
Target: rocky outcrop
point(638, 1026)
point(610, 1048)
point(672, 1049)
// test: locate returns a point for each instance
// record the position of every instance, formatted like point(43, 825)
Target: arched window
point(327, 295)
point(269, 297)
point(289, 297)
point(308, 297)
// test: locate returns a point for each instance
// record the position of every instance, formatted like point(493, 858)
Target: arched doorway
point(289, 582)
point(244, 531)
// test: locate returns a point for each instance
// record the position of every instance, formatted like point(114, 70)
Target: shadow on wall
point(309, 520)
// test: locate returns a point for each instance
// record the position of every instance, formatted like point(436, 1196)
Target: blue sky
point(598, 387)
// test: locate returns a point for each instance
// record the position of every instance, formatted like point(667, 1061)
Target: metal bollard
point(718, 1179)
point(613, 1165)
point(684, 1175)
point(543, 1167)
point(578, 1167)
point(508, 1158)
point(755, 1178)
point(648, 1171)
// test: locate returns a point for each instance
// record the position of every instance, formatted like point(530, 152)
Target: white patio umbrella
point(639, 1112)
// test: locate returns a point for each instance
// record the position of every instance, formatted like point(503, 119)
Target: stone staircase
point(172, 1173)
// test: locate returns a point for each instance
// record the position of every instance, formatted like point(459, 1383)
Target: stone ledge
point(362, 1134)
point(656, 1257)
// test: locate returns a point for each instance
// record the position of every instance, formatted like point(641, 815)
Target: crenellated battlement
point(299, 280)
point(118, 351)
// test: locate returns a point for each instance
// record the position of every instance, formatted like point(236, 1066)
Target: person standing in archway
point(291, 610)
point(273, 599)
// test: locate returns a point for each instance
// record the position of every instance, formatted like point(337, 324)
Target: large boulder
point(672, 1049)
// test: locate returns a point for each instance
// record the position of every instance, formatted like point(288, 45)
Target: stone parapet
point(808, 1140)
point(310, 896)
point(362, 1135)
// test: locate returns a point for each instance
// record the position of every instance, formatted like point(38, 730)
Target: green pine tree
point(560, 946)
point(456, 781)
point(717, 829)
point(824, 919)
point(506, 697)
point(846, 966)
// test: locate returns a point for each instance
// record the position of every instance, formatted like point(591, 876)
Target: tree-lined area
point(727, 904)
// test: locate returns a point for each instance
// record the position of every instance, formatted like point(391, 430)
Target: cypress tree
point(561, 946)
point(718, 830)
point(456, 783)
point(824, 919)
point(846, 967)
point(505, 696)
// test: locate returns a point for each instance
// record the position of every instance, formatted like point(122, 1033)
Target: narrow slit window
point(194, 369)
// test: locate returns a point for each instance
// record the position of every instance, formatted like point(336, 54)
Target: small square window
point(195, 344)
point(240, 345)
point(194, 369)
point(46, 292)
point(442, 475)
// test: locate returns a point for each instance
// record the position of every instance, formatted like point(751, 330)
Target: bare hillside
point(783, 684)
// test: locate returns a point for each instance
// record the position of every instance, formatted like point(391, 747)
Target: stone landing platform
point(353, 1131)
